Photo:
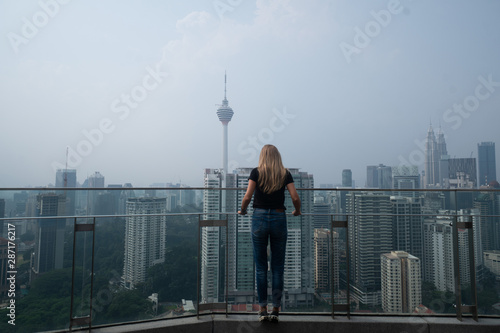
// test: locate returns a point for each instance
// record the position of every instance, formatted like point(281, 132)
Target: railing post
point(472, 267)
point(472, 308)
point(456, 258)
point(339, 307)
point(211, 306)
point(85, 320)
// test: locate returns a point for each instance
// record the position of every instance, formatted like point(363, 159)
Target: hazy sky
point(132, 87)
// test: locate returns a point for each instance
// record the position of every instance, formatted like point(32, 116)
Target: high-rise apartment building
point(145, 238)
point(322, 209)
point(406, 177)
point(371, 176)
point(346, 178)
point(492, 261)
point(299, 260)
point(299, 270)
point(212, 240)
point(486, 203)
point(49, 237)
point(407, 227)
point(435, 152)
point(96, 180)
point(487, 163)
point(379, 176)
point(438, 252)
point(370, 235)
point(325, 273)
point(67, 178)
point(462, 173)
point(400, 282)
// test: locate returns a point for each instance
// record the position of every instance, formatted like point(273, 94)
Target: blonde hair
point(272, 173)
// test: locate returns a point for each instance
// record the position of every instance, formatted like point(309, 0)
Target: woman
point(268, 181)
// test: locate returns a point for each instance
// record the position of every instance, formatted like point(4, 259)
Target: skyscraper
point(462, 173)
point(438, 253)
point(407, 227)
point(406, 177)
point(49, 238)
point(435, 149)
point(346, 178)
point(401, 282)
point(95, 180)
point(379, 176)
point(323, 269)
point(145, 238)
point(384, 174)
point(487, 163)
point(213, 238)
point(371, 176)
point(299, 259)
point(486, 203)
point(370, 235)
point(67, 178)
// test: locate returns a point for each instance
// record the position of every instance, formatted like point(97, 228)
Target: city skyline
point(334, 85)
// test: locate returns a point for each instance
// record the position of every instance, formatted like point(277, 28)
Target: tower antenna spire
point(225, 84)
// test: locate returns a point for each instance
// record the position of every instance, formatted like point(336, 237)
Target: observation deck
point(86, 290)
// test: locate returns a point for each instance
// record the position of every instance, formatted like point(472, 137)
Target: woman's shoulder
point(254, 174)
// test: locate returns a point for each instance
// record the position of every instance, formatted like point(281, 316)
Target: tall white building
point(145, 238)
point(212, 258)
point(400, 281)
point(439, 263)
point(299, 259)
point(492, 261)
point(438, 253)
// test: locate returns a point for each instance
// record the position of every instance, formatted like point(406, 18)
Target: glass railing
point(91, 257)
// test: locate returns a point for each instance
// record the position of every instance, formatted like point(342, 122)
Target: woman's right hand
point(296, 213)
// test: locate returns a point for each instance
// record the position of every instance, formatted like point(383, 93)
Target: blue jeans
point(268, 224)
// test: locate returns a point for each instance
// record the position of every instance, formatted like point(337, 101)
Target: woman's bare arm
point(248, 197)
point(295, 199)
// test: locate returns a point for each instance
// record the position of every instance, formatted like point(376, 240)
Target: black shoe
point(274, 316)
point(263, 315)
